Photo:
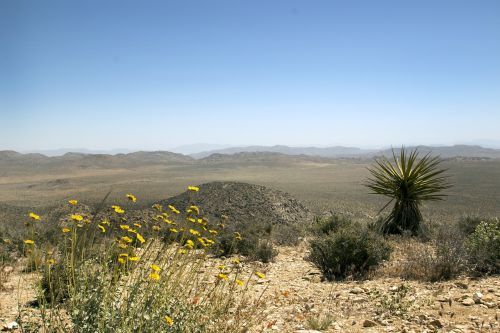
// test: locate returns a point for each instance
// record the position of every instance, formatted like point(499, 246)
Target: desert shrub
point(351, 251)
point(252, 241)
point(326, 225)
point(287, 234)
point(442, 258)
point(264, 251)
point(484, 247)
point(467, 224)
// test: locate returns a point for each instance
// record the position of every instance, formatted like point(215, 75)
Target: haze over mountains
point(236, 154)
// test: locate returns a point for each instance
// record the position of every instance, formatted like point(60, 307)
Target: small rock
point(369, 323)
point(8, 269)
point(436, 323)
point(359, 300)
point(11, 326)
point(477, 297)
point(490, 305)
point(468, 301)
point(357, 291)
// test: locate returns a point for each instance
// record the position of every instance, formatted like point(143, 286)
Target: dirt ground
point(296, 298)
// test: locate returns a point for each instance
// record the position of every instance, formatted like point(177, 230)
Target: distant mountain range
point(337, 151)
point(11, 160)
point(467, 151)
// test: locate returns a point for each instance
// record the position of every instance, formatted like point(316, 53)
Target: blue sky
point(159, 74)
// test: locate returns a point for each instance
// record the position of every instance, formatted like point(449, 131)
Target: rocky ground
point(296, 300)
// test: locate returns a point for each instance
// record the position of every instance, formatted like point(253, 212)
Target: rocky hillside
point(244, 203)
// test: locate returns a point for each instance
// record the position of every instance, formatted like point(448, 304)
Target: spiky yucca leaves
point(408, 181)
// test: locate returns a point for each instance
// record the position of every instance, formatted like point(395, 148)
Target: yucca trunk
point(404, 217)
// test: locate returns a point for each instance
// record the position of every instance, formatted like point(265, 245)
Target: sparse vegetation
point(107, 277)
point(319, 323)
point(408, 182)
point(350, 251)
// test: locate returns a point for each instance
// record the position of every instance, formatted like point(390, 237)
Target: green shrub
point(484, 247)
point(467, 224)
point(351, 251)
point(326, 225)
point(253, 241)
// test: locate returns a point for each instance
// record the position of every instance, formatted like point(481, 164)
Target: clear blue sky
point(158, 74)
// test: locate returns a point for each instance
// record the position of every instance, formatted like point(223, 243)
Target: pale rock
point(357, 291)
point(11, 326)
point(477, 297)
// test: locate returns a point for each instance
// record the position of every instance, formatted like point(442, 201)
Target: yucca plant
point(408, 181)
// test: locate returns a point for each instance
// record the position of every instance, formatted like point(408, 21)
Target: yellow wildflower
point(222, 276)
point(105, 222)
point(169, 320)
point(131, 197)
point(51, 262)
point(155, 268)
point(173, 230)
point(76, 217)
point(121, 261)
point(72, 202)
point(173, 209)
point(181, 251)
point(137, 225)
point(119, 210)
point(221, 266)
point(154, 276)
point(126, 239)
point(190, 219)
point(195, 208)
point(236, 260)
point(123, 255)
point(156, 228)
point(237, 235)
point(133, 258)
point(213, 232)
point(65, 230)
point(260, 275)
point(140, 238)
point(29, 242)
point(158, 207)
point(124, 227)
point(239, 282)
point(189, 244)
point(194, 232)
point(202, 241)
point(221, 225)
point(122, 245)
point(34, 216)
point(102, 228)
point(193, 188)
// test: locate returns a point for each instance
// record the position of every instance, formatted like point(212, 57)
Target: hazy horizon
point(156, 75)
